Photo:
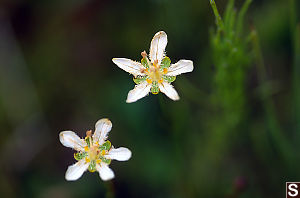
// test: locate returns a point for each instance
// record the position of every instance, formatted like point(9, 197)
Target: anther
point(149, 81)
point(155, 63)
point(165, 71)
point(86, 148)
point(89, 133)
point(144, 54)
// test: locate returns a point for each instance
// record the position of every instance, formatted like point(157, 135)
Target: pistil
point(154, 73)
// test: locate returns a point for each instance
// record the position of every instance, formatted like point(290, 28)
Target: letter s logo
point(293, 188)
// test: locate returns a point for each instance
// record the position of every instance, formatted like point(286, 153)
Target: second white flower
point(155, 73)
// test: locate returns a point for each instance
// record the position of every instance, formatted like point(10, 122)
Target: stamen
point(144, 55)
point(89, 133)
point(165, 71)
point(149, 81)
point(144, 70)
point(86, 148)
point(155, 63)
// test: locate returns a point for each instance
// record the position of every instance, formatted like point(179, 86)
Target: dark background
point(56, 73)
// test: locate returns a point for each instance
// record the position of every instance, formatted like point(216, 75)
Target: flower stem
point(295, 35)
point(110, 190)
point(241, 16)
point(279, 139)
point(219, 21)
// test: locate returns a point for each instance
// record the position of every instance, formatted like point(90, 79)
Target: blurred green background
point(234, 133)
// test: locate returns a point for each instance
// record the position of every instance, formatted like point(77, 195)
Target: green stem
point(293, 17)
point(295, 42)
point(110, 191)
point(219, 21)
point(229, 9)
point(279, 139)
point(296, 80)
point(241, 16)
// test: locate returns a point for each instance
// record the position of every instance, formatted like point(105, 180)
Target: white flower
point(94, 152)
point(156, 74)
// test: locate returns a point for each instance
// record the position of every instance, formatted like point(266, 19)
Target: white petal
point(102, 127)
point(70, 139)
point(168, 89)
point(120, 154)
point(138, 92)
point(157, 47)
point(105, 172)
point(130, 66)
point(182, 66)
point(75, 171)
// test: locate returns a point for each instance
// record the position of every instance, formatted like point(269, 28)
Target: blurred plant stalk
point(295, 35)
point(280, 142)
point(230, 51)
point(230, 56)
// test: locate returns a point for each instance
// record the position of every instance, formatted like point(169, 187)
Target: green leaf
point(154, 88)
point(144, 62)
point(105, 146)
point(80, 155)
point(165, 63)
point(169, 79)
point(92, 166)
point(139, 79)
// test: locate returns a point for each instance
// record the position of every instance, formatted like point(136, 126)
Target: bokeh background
point(234, 133)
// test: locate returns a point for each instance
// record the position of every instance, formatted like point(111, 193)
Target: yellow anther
point(165, 71)
point(160, 81)
point(155, 63)
point(144, 71)
point(87, 160)
point(97, 143)
point(103, 152)
point(86, 148)
point(149, 81)
point(98, 161)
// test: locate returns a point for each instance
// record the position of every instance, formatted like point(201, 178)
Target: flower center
point(93, 153)
point(154, 73)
